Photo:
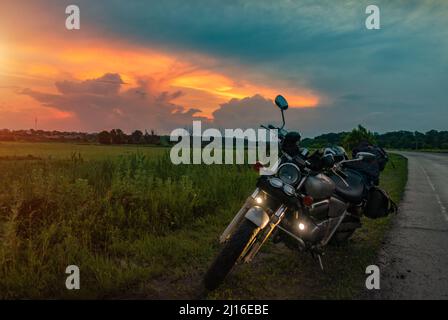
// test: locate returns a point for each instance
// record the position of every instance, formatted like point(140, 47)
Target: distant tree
point(137, 136)
point(152, 138)
point(432, 139)
point(356, 136)
point(419, 140)
point(147, 137)
point(118, 136)
point(104, 137)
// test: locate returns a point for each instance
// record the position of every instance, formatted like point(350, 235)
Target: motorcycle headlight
point(289, 173)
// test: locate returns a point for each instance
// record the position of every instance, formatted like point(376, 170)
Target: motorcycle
point(309, 202)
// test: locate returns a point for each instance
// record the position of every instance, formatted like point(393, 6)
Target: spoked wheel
point(229, 254)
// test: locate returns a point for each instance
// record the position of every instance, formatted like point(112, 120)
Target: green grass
point(140, 227)
point(59, 150)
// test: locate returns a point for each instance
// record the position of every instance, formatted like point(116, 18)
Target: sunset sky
point(161, 64)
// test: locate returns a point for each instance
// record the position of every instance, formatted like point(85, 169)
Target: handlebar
point(269, 127)
point(281, 132)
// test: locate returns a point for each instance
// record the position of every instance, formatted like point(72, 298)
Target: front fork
point(264, 235)
point(251, 211)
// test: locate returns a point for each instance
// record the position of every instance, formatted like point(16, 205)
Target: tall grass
point(94, 213)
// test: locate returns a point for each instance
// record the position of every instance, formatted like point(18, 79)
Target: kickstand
point(318, 257)
point(320, 262)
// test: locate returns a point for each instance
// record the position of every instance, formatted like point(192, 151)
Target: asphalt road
point(414, 260)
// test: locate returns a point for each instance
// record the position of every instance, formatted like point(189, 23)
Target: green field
point(139, 227)
point(52, 150)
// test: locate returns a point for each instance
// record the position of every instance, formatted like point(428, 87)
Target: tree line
point(114, 136)
point(117, 136)
point(402, 139)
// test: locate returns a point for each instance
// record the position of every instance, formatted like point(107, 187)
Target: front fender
point(258, 216)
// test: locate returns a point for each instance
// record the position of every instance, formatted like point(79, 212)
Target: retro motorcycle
point(310, 201)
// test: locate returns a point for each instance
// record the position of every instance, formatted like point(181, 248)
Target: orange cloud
point(224, 88)
point(38, 65)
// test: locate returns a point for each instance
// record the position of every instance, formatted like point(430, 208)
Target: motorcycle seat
point(354, 192)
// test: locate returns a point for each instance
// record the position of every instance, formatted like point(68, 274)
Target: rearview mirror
point(281, 102)
point(365, 156)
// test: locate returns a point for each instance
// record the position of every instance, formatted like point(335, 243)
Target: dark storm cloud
point(342, 115)
point(100, 104)
point(108, 84)
point(392, 78)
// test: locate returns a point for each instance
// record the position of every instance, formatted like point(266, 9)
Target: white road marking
point(429, 180)
point(439, 201)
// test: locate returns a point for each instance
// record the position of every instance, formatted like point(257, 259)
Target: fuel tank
point(319, 186)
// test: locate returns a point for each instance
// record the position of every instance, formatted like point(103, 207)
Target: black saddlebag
point(379, 204)
point(370, 169)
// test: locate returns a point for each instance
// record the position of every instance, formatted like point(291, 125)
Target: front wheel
point(229, 254)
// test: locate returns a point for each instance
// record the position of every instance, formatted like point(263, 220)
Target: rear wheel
point(229, 254)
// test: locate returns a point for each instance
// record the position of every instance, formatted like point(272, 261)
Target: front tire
point(229, 254)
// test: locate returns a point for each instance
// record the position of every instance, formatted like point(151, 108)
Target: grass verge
point(140, 227)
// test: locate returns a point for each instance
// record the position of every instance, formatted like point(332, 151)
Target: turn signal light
point(257, 166)
point(308, 200)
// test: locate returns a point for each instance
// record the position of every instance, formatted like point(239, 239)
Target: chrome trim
point(301, 242)
point(316, 204)
point(301, 182)
point(325, 240)
point(280, 211)
point(340, 177)
point(255, 193)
